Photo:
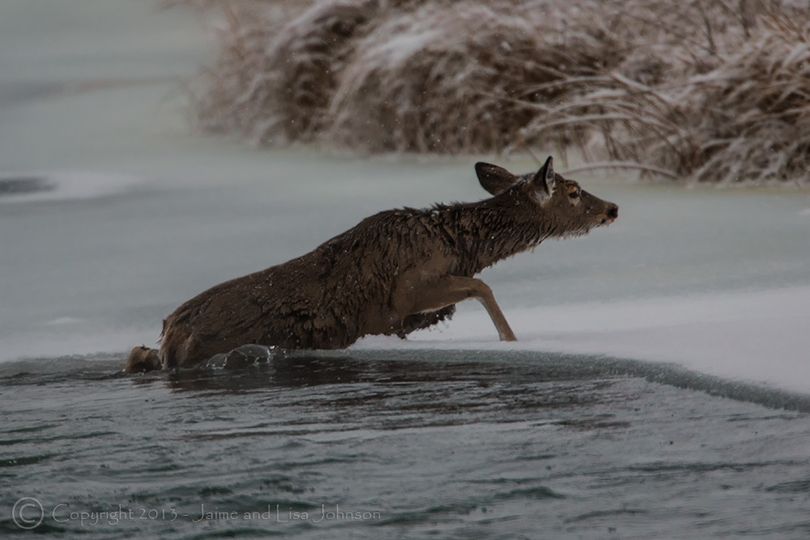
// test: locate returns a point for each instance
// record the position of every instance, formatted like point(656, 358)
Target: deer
point(395, 272)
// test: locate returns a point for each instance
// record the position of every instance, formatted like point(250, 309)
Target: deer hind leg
point(450, 290)
point(142, 359)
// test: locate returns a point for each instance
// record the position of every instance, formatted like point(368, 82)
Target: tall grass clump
point(460, 78)
point(713, 90)
point(274, 78)
point(744, 118)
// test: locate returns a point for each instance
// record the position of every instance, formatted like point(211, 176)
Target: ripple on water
point(794, 486)
point(25, 460)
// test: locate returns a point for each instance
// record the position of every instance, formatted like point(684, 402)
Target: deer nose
point(612, 211)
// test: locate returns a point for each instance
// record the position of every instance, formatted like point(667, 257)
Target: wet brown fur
point(386, 275)
point(142, 358)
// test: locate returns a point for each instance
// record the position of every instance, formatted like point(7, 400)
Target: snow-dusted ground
point(756, 336)
point(145, 214)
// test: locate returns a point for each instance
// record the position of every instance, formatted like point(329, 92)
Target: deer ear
point(494, 179)
point(545, 178)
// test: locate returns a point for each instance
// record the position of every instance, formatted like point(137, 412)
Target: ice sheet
point(761, 336)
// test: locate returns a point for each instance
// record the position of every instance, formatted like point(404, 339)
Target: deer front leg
point(449, 290)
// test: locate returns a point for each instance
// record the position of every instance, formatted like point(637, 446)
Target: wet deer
point(393, 273)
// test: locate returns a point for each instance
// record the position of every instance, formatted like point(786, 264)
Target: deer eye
point(574, 194)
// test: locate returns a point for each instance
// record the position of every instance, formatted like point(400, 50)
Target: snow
point(761, 336)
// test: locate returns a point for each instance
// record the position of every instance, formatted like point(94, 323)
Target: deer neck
point(489, 231)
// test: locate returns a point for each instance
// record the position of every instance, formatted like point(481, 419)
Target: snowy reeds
point(713, 90)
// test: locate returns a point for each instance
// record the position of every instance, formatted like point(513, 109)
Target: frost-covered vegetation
point(714, 90)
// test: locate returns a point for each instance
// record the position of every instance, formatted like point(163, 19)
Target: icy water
point(660, 387)
point(385, 445)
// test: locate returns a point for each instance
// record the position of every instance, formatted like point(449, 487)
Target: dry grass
point(744, 117)
point(458, 79)
point(714, 90)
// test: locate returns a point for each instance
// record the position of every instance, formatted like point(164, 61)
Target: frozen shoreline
point(759, 336)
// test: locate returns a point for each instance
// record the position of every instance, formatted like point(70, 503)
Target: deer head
point(559, 205)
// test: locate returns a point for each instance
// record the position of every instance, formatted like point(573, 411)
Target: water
point(660, 386)
point(423, 444)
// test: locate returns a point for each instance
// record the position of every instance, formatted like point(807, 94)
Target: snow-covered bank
point(761, 336)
